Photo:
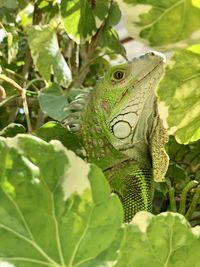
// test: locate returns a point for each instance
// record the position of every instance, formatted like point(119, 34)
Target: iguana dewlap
point(123, 134)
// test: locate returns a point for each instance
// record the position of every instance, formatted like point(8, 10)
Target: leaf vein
point(80, 239)
point(35, 245)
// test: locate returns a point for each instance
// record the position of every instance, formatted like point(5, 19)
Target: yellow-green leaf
point(163, 23)
point(179, 94)
point(46, 54)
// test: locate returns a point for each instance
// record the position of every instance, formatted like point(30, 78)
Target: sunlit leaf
point(160, 241)
point(163, 23)
point(179, 93)
point(56, 210)
point(46, 54)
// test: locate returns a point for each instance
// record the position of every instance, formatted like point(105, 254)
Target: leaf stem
point(22, 93)
point(172, 199)
point(26, 111)
point(19, 76)
point(12, 82)
point(193, 204)
point(186, 189)
point(8, 99)
point(33, 81)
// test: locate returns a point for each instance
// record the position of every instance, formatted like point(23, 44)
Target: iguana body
point(122, 132)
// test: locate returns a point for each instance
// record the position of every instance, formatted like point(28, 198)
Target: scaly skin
point(118, 126)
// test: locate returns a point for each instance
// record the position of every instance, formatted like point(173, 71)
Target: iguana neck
point(133, 185)
point(98, 148)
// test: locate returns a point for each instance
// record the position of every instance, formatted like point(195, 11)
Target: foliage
point(179, 91)
point(47, 220)
point(174, 195)
point(165, 24)
point(52, 52)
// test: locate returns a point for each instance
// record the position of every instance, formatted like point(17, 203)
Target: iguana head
point(121, 120)
point(126, 99)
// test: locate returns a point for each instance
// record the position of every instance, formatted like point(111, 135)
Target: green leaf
point(177, 175)
point(53, 130)
point(53, 102)
point(114, 15)
point(110, 39)
point(163, 23)
point(46, 54)
point(12, 129)
point(86, 18)
point(160, 241)
point(179, 93)
point(56, 210)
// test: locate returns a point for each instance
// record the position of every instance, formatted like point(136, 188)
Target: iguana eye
point(118, 75)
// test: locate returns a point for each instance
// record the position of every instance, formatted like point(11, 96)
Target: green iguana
point(122, 132)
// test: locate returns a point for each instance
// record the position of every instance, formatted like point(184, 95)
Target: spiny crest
point(77, 99)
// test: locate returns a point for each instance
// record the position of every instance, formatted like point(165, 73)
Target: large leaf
point(46, 54)
point(165, 240)
point(179, 93)
point(163, 23)
point(55, 210)
point(87, 17)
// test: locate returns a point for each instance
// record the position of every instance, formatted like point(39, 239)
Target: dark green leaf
point(53, 101)
point(114, 15)
point(110, 39)
point(12, 129)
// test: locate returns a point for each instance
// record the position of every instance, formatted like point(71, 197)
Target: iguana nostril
point(152, 53)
